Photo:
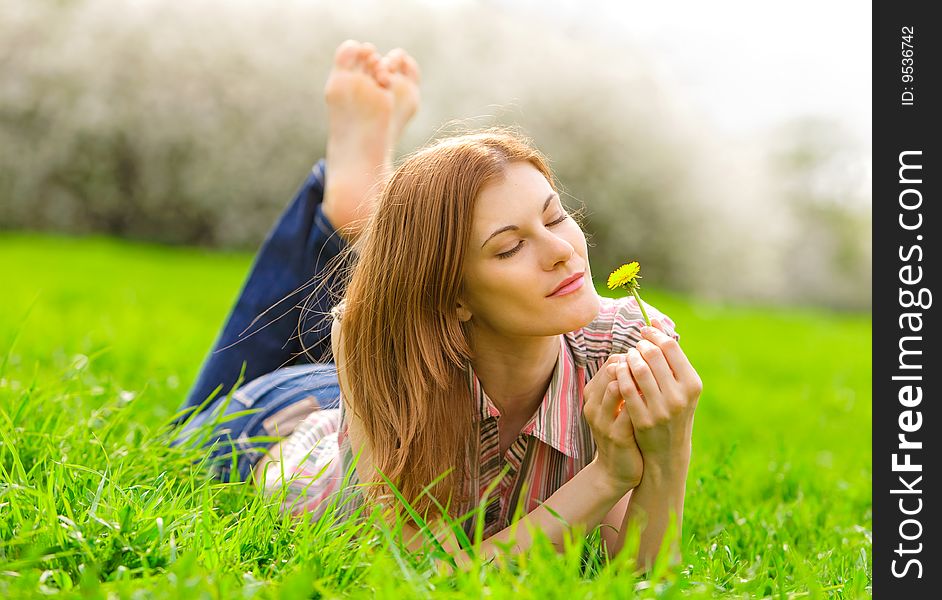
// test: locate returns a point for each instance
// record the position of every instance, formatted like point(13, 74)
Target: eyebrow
point(514, 227)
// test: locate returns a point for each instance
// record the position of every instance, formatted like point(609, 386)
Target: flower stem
point(641, 306)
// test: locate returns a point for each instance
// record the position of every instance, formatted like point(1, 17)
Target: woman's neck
point(516, 375)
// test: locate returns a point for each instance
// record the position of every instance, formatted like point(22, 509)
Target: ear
point(464, 314)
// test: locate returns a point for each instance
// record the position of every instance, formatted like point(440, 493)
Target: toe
point(347, 53)
point(395, 58)
point(382, 71)
point(373, 66)
point(412, 68)
point(367, 53)
point(403, 64)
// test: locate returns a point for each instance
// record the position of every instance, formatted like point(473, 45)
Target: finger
point(676, 358)
point(635, 405)
point(656, 335)
point(663, 375)
point(609, 373)
point(610, 401)
point(623, 420)
point(601, 379)
point(643, 375)
point(627, 386)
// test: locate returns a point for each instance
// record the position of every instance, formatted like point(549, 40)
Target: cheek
point(576, 236)
point(510, 279)
point(509, 292)
point(496, 282)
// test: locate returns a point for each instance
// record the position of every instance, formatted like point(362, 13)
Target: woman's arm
point(581, 502)
point(650, 506)
point(661, 391)
point(613, 524)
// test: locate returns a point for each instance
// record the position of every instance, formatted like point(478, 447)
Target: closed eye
point(516, 248)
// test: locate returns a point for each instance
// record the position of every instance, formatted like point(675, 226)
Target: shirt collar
point(558, 420)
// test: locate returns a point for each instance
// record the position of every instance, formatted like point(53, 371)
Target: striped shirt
point(554, 445)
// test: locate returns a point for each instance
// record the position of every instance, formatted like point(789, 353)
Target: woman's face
point(509, 276)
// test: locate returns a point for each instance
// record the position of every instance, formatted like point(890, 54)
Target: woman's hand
point(661, 390)
point(618, 453)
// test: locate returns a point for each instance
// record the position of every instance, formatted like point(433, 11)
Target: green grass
point(99, 340)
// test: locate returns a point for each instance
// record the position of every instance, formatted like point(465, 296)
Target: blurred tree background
point(194, 122)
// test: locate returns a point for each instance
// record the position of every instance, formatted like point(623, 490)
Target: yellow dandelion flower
point(627, 276)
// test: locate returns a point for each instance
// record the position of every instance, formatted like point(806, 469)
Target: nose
point(559, 249)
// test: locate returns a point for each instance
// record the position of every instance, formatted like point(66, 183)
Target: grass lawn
point(99, 340)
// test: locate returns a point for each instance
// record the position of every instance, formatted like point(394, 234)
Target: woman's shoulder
point(336, 312)
point(615, 329)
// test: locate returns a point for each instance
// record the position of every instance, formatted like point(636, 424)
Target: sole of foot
point(370, 98)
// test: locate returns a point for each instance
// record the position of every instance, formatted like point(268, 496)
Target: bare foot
point(359, 110)
point(369, 100)
point(404, 76)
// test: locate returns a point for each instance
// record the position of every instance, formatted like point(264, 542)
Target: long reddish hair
point(406, 352)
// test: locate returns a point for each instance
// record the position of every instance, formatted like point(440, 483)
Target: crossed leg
point(370, 98)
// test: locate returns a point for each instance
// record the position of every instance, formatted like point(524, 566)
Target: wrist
point(605, 485)
point(666, 469)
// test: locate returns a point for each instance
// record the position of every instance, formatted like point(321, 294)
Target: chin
point(581, 313)
point(593, 305)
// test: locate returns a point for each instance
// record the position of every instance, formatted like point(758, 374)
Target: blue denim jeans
point(280, 381)
point(237, 430)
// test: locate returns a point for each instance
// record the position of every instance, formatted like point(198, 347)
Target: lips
point(566, 282)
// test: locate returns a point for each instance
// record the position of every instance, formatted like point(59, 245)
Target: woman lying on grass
point(469, 342)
